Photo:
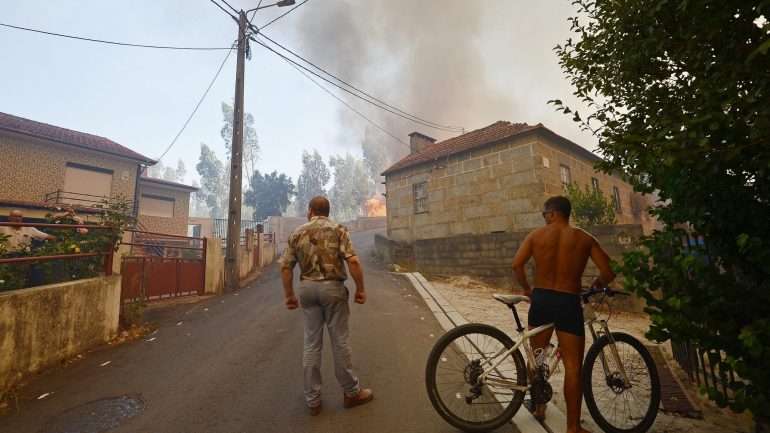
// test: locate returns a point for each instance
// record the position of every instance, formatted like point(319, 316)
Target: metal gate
point(165, 269)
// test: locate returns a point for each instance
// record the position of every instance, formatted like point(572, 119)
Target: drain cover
point(97, 416)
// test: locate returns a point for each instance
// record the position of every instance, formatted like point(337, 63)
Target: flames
point(375, 207)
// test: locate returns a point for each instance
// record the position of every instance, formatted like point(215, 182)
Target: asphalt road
point(233, 364)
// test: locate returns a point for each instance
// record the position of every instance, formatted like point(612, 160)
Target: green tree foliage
point(590, 207)
point(352, 186)
point(269, 194)
point(213, 190)
point(250, 139)
point(678, 96)
point(311, 181)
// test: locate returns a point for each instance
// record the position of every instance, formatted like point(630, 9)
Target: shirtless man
point(561, 253)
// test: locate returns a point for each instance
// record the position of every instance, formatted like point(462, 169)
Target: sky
point(467, 63)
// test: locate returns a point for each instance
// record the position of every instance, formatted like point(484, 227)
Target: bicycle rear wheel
point(615, 407)
point(452, 374)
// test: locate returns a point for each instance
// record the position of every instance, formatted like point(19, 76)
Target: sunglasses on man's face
point(546, 212)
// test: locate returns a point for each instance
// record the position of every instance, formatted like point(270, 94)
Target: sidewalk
point(473, 300)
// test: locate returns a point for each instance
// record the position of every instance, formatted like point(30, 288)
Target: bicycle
point(490, 376)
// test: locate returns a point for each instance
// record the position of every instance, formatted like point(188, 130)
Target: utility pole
point(232, 268)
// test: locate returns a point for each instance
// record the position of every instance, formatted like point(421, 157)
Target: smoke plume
point(422, 56)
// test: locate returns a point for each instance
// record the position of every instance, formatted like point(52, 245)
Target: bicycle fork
point(595, 335)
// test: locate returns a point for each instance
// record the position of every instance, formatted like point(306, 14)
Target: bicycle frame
point(524, 336)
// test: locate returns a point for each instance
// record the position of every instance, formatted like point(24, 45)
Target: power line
point(125, 44)
point(283, 14)
point(353, 109)
point(412, 117)
point(195, 110)
point(224, 10)
point(376, 104)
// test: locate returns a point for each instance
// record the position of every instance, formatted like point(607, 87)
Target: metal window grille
point(420, 191)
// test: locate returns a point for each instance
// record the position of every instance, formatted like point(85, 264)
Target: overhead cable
point(412, 117)
point(283, 14)
point(373, 101)
point(125, 44)
point(342, 101)
point(195, 110)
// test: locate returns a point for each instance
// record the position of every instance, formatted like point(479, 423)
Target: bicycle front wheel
point(617, 406)
point(453, 378)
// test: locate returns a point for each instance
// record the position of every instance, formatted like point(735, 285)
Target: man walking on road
point(561, 253)
point(320, 246)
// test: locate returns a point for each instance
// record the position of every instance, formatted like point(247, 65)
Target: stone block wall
point(633, 206)
point(485, 190)
point(488, 257)
point(30, 168)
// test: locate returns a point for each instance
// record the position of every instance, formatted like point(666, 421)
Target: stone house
point(494, 179)
point(44, 167)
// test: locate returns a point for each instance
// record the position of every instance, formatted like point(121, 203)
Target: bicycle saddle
point(510, 300)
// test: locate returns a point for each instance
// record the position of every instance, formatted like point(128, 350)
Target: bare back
point(561, 253)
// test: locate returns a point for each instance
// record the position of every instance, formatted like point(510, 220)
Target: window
point(566, 176)
point(155, 205)
point(420, 191)
point(86, 185)
point(595, 184)
point(616, 199)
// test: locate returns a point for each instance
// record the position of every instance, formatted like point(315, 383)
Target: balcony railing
point(89, 201)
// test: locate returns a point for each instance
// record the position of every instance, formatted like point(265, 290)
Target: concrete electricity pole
point(232, 267)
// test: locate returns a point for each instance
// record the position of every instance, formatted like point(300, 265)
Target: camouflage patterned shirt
point(319, 246)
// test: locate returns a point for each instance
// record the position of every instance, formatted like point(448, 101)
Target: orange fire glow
point(375, 207)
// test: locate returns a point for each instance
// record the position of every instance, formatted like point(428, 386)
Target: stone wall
point(177, 225)
point(496, 188)
point(43, 325)
point(484, 190)
point(30, 168)
point(633, 206)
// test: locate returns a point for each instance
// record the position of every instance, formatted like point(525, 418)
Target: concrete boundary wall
point(43, 325)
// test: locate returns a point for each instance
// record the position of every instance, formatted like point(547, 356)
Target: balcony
point(84, 202)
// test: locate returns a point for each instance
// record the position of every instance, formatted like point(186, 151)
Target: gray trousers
point(326, 303)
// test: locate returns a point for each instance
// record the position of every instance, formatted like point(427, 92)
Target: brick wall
point(31, 168)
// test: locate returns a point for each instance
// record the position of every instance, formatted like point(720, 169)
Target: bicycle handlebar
point(604, 290)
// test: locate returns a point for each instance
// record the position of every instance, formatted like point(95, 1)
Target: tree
point(677, 93)
point(590, 207)
point(352, 186)
point(250, 139)
point(213, 185)
point(311, 181)
point(269, 194)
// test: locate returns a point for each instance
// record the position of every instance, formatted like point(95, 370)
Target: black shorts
point(562, 309)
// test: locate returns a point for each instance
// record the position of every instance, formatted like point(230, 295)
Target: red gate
point(153, 277)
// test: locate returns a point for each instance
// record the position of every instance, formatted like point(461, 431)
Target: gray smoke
point(424, 56)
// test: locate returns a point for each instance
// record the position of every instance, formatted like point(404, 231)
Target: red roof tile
point(45, 131)
point(500, 130)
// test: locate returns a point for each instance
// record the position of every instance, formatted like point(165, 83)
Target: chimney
point(417, 142)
